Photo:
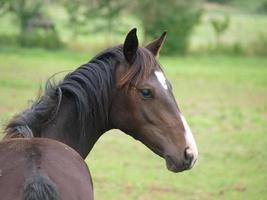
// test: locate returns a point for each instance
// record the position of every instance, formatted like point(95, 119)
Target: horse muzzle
point(182, 163)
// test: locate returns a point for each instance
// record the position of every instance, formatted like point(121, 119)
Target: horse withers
point(123, 87)
point(43, 169)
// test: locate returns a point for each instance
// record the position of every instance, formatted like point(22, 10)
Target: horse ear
point(130, 46)
point(155, 46)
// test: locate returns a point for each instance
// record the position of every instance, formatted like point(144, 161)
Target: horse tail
point(40, 187)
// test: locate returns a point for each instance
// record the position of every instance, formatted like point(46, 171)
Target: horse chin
point(173, 166)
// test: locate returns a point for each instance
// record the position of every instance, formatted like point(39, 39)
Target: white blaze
point(189, 138)
point(161, 78)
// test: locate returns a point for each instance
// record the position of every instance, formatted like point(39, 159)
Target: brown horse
point(44, 169)
point(123, 87)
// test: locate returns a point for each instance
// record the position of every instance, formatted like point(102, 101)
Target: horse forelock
point(140, 70)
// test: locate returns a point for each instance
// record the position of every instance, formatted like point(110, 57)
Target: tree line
point(178, 17)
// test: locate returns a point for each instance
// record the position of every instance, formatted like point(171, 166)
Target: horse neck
point(65, 128)
point(76, 111)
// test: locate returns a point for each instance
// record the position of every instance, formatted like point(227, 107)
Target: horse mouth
point(174, 166)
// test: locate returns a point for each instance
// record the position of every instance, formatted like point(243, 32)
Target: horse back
point(42, 164)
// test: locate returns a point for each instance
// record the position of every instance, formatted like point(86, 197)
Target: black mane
point(89, 86)
point(85, 85)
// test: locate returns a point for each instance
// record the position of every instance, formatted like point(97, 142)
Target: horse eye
point(146, 93)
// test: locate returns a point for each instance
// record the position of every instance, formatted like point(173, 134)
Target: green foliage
point(220, 27)
point(255, 6)
point(262, 8)
point(258, 46)
point(91, 25)
point(177, 17)
point(24, 10)
point(8, 40)
point(235, 49)
point(40, 38)
point(220, 1)
point(76, 14)
point(110, 11)
point(31, 33)
point(105, 15)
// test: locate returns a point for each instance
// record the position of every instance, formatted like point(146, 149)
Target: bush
point(262, 8)
point(258, 46)
point(229, 49)
point(220, 1)
point(177, 17)
point(9, 40)
point(40, 38)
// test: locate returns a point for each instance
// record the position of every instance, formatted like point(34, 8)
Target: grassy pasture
point(224, 99)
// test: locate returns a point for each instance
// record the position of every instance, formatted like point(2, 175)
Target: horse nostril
point(189, 156)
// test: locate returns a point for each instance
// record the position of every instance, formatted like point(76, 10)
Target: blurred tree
point(76, 11)
point(105, 15)
point(220, 1)
point(24, 10)
point(110, 11)
point(219, 27)
point(262, 8)
point(4, 7)
point(36, 29)
point(178, 17)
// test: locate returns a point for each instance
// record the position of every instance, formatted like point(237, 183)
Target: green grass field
point(224, 99)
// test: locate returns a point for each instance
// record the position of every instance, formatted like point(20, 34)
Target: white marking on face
point(161, 78)
point(189, 138)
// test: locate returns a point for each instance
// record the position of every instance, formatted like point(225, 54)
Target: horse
point(122, 87)
point(42, 168)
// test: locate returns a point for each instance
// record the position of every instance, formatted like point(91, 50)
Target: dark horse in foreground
point(42, 169)
point(123, 87)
